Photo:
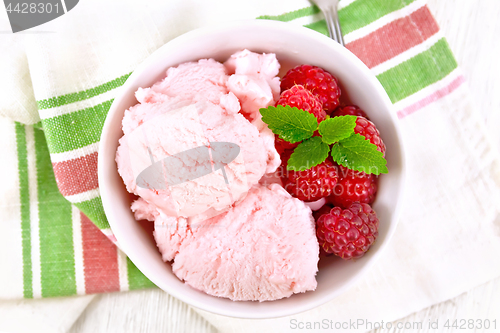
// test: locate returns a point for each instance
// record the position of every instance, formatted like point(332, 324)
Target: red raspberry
point(321, 83)
point(323, 210)
point(282, 145)
point(347, 233)
point(367, 129)
point(302, 98)
point(353, 186)
point(311, 184)
point(351, 110)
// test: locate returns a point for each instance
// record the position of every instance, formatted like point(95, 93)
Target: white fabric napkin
point(16, 92)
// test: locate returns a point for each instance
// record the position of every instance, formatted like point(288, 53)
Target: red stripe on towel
point(100, 260)
point(77, 175)
point(394, 38)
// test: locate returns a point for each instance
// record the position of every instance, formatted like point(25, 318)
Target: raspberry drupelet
point(347, 233)
point(350, 110)
point(312, 184)
point(353, 186)
point(301, 98)
point(318, 81)
point(367, 129)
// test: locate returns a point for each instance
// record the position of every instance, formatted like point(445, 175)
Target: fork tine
point(332, 22)
point(336, 25)
point(329, 9)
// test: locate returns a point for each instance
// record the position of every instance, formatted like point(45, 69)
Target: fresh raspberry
point(351, 110)
point(323, 210)
point(311, 184)
point(301, 98)
point(347, 233)
point(321, 83)
point(367, 129)
point(353, 186)
point(282, 145)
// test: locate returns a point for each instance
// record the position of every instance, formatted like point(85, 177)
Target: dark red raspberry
point(351, 110)
point(301, 98)
point(311, 184)
point(347, 233)
point(367, 129)
point(323, 210)
point(282, 145)
point(353, 186)
point(318, 81)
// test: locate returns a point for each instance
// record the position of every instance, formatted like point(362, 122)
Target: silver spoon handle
point(332, 22)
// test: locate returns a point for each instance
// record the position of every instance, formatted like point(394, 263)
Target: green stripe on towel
point(57, 257)
point(319, 26)
point(137, 280)
point(94, 210)
point(363, 12)
point(418, 72)
point(82, 95)
point(77, 129)
point(22, 160)
point(290, 16)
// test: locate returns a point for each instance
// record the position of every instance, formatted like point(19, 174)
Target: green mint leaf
point(308, 154)
point(291, 124)
point(337, 128)
point(359, 154)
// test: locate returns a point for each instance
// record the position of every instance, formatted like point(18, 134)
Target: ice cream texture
point(265, 248)
point(225, 233)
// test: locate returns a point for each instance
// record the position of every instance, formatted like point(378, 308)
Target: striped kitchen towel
point(49, 247)
point(53, 225)
point(400, 42)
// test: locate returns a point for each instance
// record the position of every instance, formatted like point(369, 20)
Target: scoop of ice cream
point(273, 157)
point(226, 234)
point(254, 81)
point(193, 107)
point(196, 81)
point(264, 248)
point(197, 187)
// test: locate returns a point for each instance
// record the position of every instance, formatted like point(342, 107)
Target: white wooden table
point(472, 29)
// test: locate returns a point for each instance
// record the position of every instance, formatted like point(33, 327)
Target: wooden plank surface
point(472, 29)
point(140, 311)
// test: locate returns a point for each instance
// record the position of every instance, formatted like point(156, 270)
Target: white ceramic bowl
point(293, 45)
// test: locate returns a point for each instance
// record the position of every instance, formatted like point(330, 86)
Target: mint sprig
point(336, 136)
point(289, 123)
point(308, 154)
point(335, 129)
point(358, 153)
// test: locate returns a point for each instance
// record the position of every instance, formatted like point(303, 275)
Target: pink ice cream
point(255, 88)
point(227, 232)
point(192, 107)
point(264, 248)
point(182, 129)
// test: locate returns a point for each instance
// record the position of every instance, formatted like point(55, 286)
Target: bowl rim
point(207, 31)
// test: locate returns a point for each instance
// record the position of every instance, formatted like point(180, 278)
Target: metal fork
point(329, 9)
